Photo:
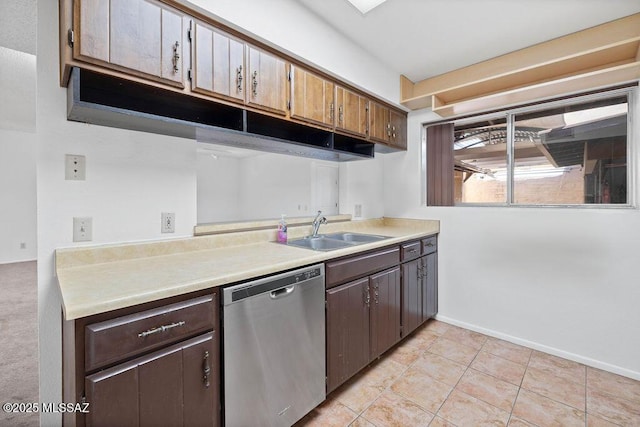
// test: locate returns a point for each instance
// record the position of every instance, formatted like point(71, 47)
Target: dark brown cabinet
point(363, 321)
point(218, 67)
point(147, 367)
point(419, 283)
point(412, 290)
point(312, 97)
point(347, 331)
point(140, 37)
point(385, 311)
point(174, 387)
point(352, 110)
point(266, 81)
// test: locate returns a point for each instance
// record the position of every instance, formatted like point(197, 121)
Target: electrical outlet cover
point(168, 222)
point(75, 167)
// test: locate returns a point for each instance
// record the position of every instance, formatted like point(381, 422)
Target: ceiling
point(424, 38)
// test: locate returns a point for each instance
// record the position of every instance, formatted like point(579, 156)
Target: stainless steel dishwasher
point(274, 348)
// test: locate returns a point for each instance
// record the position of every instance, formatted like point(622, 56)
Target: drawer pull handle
point(412, 251)
point(430, 244)
point(206, 370)
point(160, 329)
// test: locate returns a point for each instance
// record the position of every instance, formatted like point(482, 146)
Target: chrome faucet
point(318, 220)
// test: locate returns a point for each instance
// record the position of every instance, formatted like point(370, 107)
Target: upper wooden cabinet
point(312, 97)
point(141, 37)
point(388, 126)
point(218, 66)
point(267, 80)
point(398, 135)
point(380, 126)
point(352, 112)
point(165, 44)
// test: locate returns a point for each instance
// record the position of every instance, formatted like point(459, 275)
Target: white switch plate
point(358, 211)
point(75, 167)
point(168, 222)
point(82, 229)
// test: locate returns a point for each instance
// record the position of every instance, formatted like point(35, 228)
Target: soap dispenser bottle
point(282, 230)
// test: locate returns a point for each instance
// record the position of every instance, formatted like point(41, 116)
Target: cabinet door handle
point(254, 83)
point(375, 294)
point(367, 297)
point(331, 111)
point(176, 57)
point(239, 78)
point(389, 129)
point(340, 114)
point(160, 329)
point(206, 370)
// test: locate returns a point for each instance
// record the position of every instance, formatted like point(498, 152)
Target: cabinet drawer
point(117, 339)
point(429, 245)
point(343, 270)
point(410, 251)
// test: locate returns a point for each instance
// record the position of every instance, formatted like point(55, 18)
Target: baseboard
point(18, 261)
point(544, 348)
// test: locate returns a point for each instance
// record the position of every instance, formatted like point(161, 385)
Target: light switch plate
point(82, 229)
point(358, 211)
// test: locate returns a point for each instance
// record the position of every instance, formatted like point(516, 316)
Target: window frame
point(633, 134)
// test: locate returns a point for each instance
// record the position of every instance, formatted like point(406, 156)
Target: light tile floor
point(443, 375)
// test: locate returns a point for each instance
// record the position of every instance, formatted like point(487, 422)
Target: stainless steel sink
point(355, 237)
point(320, 243)
point(330, 242)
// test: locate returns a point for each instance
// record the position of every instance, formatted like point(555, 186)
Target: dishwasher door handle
point(282, 292)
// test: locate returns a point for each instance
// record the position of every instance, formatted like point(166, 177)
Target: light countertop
point(98, 279)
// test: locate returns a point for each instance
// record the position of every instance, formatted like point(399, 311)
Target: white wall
point(218, 180)
point(260, 186)
point(17, 196)
point(362, 183)
point(17, 149)
point(133, 177)
point(561, 280)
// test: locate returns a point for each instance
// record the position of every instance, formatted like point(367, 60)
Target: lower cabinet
point(176, 386)
point(363, 321)
point(412, 296)
point(158, 365)
point(430, 286)
point(419, 285)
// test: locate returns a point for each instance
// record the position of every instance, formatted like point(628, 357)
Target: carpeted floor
point(18, 340)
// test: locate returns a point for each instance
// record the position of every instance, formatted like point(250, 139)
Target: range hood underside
point(110, 101)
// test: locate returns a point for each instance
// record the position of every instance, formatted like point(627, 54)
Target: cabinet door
point(311, 97)
point(142, 37)
point(352, 112)
point(411, 296)
point(380, 128)
point(267, 82)
point(398, 136)
point(347, 331)
point(218, 63)
point(385, 311)
point(430, 296)
point(167, 387)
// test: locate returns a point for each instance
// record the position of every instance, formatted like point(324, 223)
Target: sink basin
point(355, 237)
point(320, 243)
point(330, 242)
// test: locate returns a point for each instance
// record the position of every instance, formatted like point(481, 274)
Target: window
point(565, 153)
